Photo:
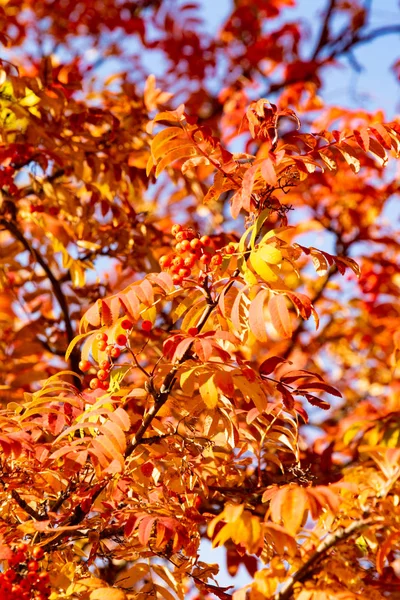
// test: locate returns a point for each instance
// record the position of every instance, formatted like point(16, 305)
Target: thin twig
point(300, 328)
point(25, 507)
point(329, 542)
point(13, 228)
point(324, 35)
point(162, 395)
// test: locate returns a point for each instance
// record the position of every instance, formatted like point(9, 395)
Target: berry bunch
point(101, 381)
point(24, 580)
point(190, 251)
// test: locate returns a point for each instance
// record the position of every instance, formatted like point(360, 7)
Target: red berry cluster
point(190, 251)
point(101, 381)
point(24, 580)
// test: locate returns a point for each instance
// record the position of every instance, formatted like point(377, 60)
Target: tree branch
point(357, 39)
point(12, 227)
point(300, 328)
point(329, 542)
point(162, 395)
point(324, 35)
point(25, 507)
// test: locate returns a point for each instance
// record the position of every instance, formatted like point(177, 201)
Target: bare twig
point(166, 387)
point(300, 328)
point(13, 228)
point(331, 540)
point(324, 35)
point(25, 507)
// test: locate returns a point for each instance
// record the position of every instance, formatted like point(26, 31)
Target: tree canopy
point(199, 304)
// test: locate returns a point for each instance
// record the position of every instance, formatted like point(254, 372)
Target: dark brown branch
point(77, 517)
point(338, 47)
point(162, 395)
point(166, 387)
point(324, 35)
point(329, 542)
point(25, 507)
point(357, 39)
point(300, 328)
point(12, 227)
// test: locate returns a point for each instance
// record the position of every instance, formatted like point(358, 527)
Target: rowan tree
point(199, 311)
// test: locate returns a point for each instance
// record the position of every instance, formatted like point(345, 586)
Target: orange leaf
point(256, 317)
point(280, 316)
point(362, 138)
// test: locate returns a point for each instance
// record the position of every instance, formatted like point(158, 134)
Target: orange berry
point(165, 261)
point(206, 241)
point(176, 280)
point(21, 547)
point(126, 324)
point(43, 577)
point(178, 262)
point(175, 269)
point(216, 260)
point(196, 244)
point(181, 235)
point(230, 249)
point(102, 374)
point(205, 259)
point(94, 383)
point(33, 565)
point(147, 326)
point(101, 345)
point(31, 577)
point(189, 261)
point(184, 272)
point(176, 229)
point(121, 339)
point(38, 552)
point(10, 575)
point(115, 352)
point(109, 348)
point(84, 365)
point(100, 337)
point(105, 365)
point(185, 245)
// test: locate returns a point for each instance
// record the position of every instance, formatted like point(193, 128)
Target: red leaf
point(362, 138)
point(317, 402)
point(319, 385)
point(287, 398)
point(270, 365)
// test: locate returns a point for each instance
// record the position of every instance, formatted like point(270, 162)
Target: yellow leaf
point(176, 153)
point(270, 254)
point(261, 267)
point(163, 138)
point(30, 99)
point(106, 593)
point(73, 343)
point(209, 393)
